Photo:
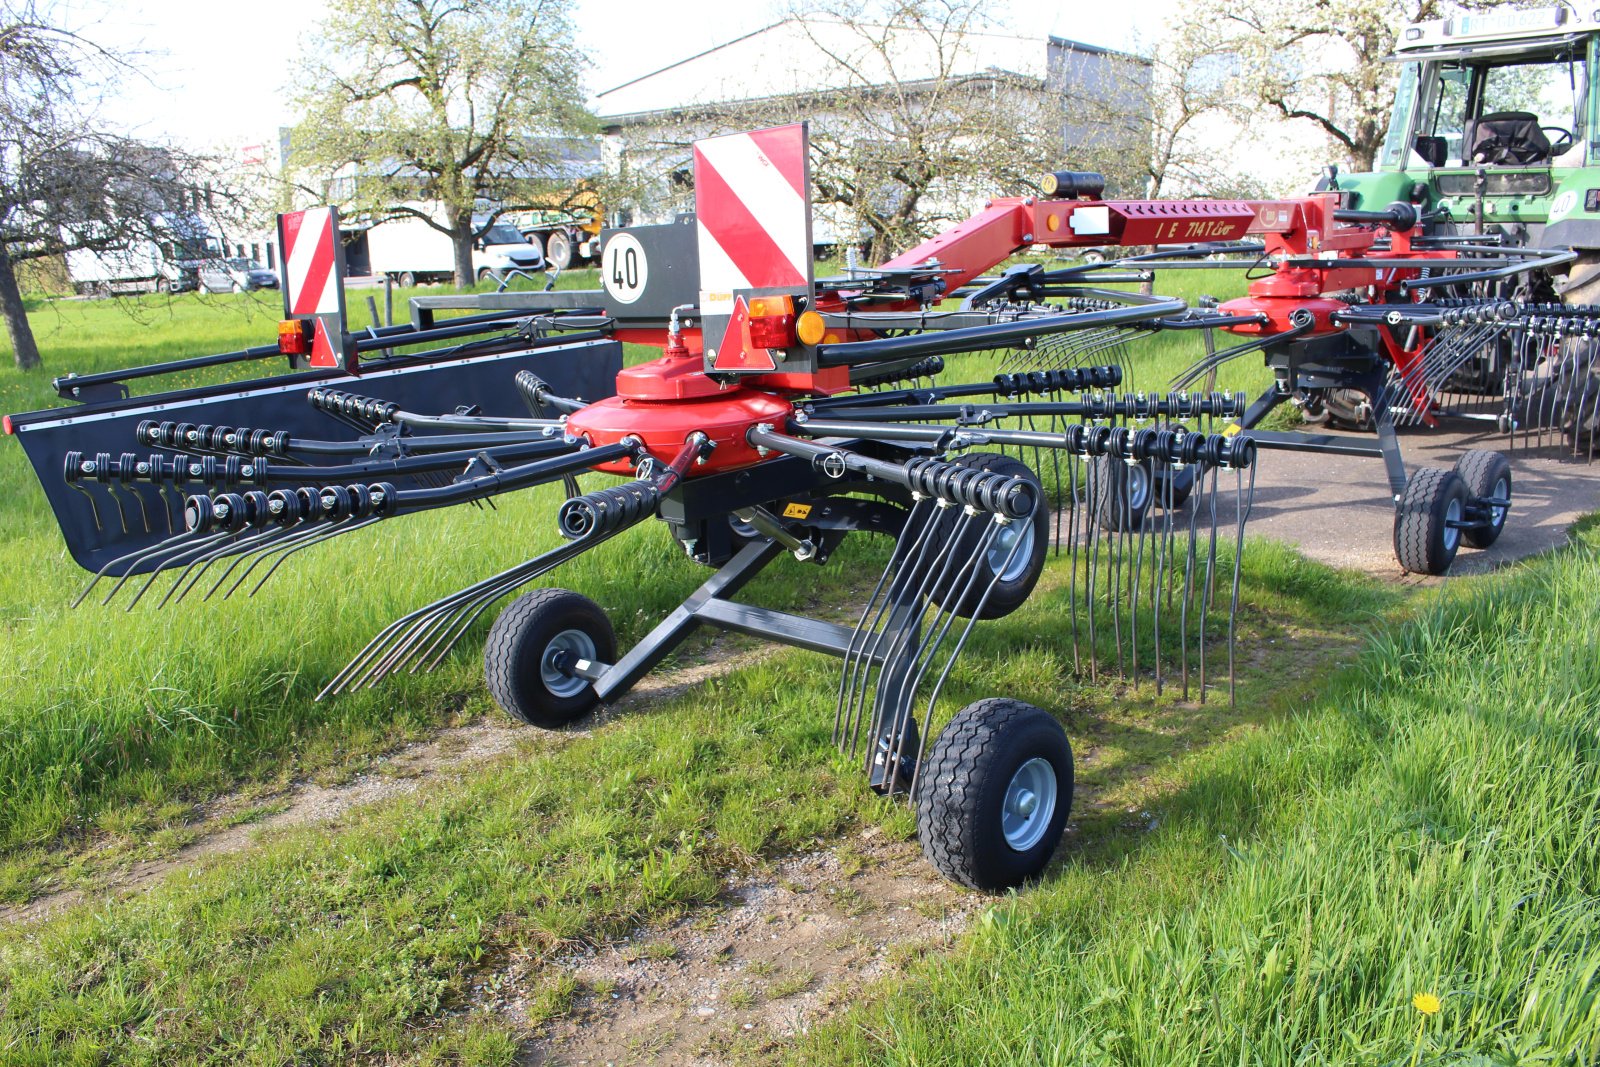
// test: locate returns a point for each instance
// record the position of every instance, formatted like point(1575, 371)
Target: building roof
point(820, 54)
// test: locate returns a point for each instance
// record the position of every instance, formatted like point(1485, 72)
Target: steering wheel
point(1561, 146)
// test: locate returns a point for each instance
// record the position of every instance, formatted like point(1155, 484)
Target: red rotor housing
point(666, 400)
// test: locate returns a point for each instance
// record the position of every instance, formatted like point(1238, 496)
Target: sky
point(221, 74)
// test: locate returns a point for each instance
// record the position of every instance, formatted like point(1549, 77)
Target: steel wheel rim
point(1138, 487)
point(1030, 804)
point(1452, 534)
point(1497, 515)
point(1018, 533)
point(577, 645)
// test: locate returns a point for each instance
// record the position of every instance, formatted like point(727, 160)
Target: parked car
point(237, 275)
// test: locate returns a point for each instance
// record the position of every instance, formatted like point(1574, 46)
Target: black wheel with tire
point(1119, 492)
point(558, 250)
point(1488, 475)
point(1016, 553)
point(408, 280)
point(485, 275)
point(994, 793)
point(1425, 541)
point(1182, 479)
point(531, 646)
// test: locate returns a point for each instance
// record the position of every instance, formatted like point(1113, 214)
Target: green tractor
point(1496, 132)
point(1495, 136)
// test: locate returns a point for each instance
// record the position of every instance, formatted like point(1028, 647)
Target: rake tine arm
point(384, 412)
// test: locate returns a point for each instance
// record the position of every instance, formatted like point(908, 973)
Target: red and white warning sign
point(313, 282)
point(753, 212)
point(309, 241)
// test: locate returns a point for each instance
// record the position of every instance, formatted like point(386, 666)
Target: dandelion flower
point(1426, 1003)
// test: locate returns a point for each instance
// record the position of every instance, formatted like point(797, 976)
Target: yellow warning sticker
point(1231, 429)
point(796, 511)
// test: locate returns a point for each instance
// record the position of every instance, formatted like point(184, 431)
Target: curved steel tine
point(238, 548)
point(899, 559)
point(907, 559)
point(910, 609)
point(383, 641)
point(972, 568)
point(271, 538)
point(204, 544)
point(94, 509)
point(1188, 576)
point(555, 559)
point(344, 526)
point(1210, 584)
point(949, 664)
point(116, 498)
point(1242, 506)
point(134, 558)
point(293, 535)
point(204, 558)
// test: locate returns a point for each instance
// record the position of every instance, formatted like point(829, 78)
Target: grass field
point(1424, 820)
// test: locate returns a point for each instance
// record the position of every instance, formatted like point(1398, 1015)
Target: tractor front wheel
point(994, 794)
point(1488, 475)
point(532, 649)
point(1426, 536)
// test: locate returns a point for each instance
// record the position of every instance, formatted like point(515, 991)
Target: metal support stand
point(711, 605)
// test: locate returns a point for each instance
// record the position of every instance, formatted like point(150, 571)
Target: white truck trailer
point(166, 262)
point(408, 250)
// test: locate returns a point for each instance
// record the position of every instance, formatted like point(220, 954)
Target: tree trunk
point(16, 315)
point(460, 223)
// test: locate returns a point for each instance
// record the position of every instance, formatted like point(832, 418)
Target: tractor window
point(1551, 90)
point(1445, 114)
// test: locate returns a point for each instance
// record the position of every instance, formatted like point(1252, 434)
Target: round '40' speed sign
point(623, 269)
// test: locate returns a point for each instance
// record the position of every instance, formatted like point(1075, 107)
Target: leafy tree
point(1322, 61)
point(68, 181)
point(466, 104)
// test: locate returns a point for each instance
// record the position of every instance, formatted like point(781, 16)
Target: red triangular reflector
point(736, 352)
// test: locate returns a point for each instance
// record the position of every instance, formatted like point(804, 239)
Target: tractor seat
point(1507, 137)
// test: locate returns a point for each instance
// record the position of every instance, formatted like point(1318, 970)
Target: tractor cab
point(1494, 127)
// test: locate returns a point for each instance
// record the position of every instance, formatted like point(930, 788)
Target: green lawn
point(1422, 821)
point(1429, 825)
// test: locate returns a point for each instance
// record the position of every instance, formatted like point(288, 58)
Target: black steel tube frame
point(1387, 446)
point(509, 452)
point(492, 482)
point(381, 337)
point(1554, 259)
point(427, 444)
point(711, 604)
point(995, 336)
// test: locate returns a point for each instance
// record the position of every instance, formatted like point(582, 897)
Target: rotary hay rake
point(785, 413)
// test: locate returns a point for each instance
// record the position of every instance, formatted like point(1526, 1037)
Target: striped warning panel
point(310, 245)
point(753, 213)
